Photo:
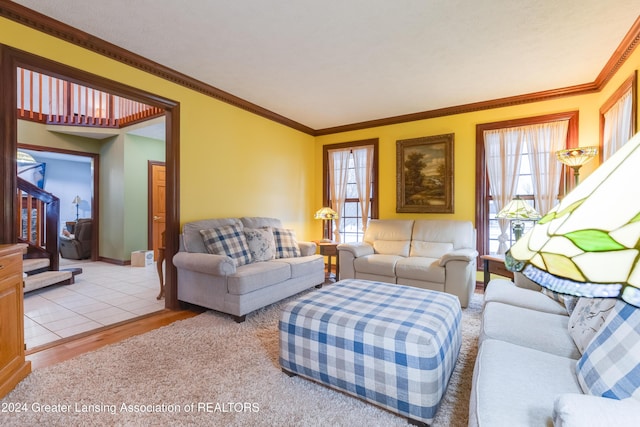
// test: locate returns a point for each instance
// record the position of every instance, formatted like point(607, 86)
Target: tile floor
point(102, 295)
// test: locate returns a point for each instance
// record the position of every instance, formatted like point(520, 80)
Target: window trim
point(325, 172)
point(482, 181)
point(630, 83)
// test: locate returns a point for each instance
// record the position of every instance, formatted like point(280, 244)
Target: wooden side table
point(159, 268)
point(330, 249)
point(494, 264)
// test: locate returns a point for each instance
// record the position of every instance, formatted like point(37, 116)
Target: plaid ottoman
point(392, 345)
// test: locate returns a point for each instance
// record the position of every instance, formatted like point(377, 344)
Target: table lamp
point(516, 211)
point(588, 244)
point(327, 215)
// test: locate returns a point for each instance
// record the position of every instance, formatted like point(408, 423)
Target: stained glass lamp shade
point(327, 215)
point(589, 244)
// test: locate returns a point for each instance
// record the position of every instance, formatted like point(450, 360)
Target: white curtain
point(543, 141)
point(363, 160)
point(338, 174)
point(503, 152)
point(618, 125)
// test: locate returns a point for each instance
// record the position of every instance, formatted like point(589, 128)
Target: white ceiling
point(336, 62)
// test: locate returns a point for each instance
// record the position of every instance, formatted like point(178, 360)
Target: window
point(618, 118)
point(351, 222)
point(531, 166)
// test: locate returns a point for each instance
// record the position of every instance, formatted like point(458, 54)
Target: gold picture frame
point(424, 169)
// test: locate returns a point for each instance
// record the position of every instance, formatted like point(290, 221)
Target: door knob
point(156, 217)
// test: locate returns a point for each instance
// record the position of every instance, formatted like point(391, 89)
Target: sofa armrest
point(467, 255)
point(307, 248)
point(218, 265)
point(356, 249)
point(573, 409)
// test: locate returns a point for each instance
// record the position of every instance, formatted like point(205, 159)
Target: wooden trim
point(482, 181)
point(630, 83)
point(48, 25)
point(10, 59)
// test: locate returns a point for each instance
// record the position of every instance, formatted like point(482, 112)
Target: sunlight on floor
point(103, 294)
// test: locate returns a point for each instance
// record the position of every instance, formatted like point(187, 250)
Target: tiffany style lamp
point(589, 244)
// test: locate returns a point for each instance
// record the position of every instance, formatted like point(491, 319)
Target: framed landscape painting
point(425, 174)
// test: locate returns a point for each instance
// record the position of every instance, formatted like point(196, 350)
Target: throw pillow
point(610, 366)
point(261, 243)
point(568, 301)
point(228, 240)
point(587, 318)
point(286, 243)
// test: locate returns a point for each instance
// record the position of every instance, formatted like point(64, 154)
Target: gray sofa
point(439, 255)
point(535, 360)
point(218, 281)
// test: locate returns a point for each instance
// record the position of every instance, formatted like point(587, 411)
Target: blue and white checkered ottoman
point(392, 345)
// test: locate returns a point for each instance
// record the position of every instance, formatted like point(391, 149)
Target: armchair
point(78, 245)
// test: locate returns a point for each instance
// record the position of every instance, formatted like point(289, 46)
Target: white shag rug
point(205, 371)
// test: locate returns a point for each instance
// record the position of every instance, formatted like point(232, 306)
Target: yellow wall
point(232, 162)
point(464, 128)
point(236, 163)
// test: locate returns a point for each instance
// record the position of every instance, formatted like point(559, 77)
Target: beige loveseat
point(543, 362)
point(241, 284)
point(432, 254)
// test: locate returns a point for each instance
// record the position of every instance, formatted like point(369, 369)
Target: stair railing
point(38, 222)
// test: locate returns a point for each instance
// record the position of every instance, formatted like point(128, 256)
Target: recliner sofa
point(432, 254)
point(78, 245)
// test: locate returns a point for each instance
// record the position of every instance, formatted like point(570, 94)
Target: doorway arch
point(11, 59)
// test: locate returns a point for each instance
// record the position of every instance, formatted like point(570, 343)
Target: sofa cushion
point(229, 241)
point(261, 243)
point(258, 275)
point(587, 318)
point(303, 266)
point(459, 234)
point(429, 249)
point(389, 236)
point(286, 243)
point(529, 328)
point(517, 386)
point(610, 365)
point(500, 290)
point(192, 239)
point(260, 222)
point(377, 264)
point(420, 268)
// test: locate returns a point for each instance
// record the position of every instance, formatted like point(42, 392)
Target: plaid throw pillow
point(229, 241)
point(610, 366)
point(286, 243)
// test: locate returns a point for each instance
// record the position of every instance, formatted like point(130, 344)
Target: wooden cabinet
point(13, 367)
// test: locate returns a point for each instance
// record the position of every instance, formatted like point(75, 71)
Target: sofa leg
point(240, 319)
point(319, 286)
point(417, 423)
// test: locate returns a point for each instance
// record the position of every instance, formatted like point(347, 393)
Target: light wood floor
point(74, 346)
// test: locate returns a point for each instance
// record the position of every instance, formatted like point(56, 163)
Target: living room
point(234, 162)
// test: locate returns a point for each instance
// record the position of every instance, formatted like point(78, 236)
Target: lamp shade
point(589, 244)
point(576, 156)
point(518, 209)
point(326, 213)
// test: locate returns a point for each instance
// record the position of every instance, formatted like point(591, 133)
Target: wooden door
point(158, 204)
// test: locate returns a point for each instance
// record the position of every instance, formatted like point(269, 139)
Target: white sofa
point(218, 282)
point(432, 254)
point(535, 361)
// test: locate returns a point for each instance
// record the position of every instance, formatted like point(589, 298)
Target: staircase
point(38, 227)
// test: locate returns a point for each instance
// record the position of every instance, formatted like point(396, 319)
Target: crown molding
point(48, 25)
